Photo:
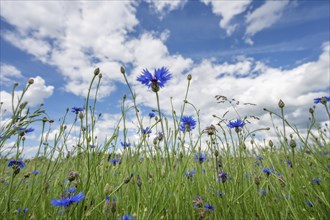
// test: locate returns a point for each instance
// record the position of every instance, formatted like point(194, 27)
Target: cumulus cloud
point(227, 10)
point(8, 73)
point(164, 7)
point(264, 17)
point(35, 95)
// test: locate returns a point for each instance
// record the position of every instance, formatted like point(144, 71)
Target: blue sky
point(253, 51)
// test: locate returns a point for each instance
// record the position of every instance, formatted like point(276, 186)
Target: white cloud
point(35, 95)
point(75, 37)
point(264, 17)
point(165, 6)
point(228, 10)
point(8, 73)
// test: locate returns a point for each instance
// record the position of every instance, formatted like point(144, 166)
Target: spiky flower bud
point(113, 205)
point(257, 180)
point(31, 81)
point(293, 143)
point(271, 144)
point(281, 104)
point(100, 75)
point(107, 189)
point(122, 70)
point(72, 175)
point(27, 175)
point(127, 179)
point(189, 77)
point(216, 153)
point(97, 71)
point(324, 100)
point(311, 110)
point(16, 84)
point(138, 181)
point(81, 115)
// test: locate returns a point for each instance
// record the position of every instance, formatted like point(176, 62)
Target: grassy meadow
point(178, 171)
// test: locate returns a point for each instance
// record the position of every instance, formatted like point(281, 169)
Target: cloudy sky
point(253, 51)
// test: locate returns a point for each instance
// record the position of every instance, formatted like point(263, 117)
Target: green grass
point(158, 187)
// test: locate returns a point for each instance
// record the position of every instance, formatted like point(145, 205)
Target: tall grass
point(213, 173)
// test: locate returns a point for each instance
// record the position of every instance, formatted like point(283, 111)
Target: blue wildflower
point(259, 158)
point(125, 144)
point(209, 207)
point(67, 201)
point(115, 161)
point(146, 131)
point(71, 190)
point(221, 194)
point(151, 114)
point(141, 159)
point(156, 81)
point(127, 217)
point(91, 146)
point(77, 109)
point(200, 157)
point(36, 172)
point(236, 124)
point(262, 192)
point(187, 123)
point(223, 176)
point(309, 203)
point(190, 174)
point(268, 171)
point(16, 163)
point(319, 100)
point(316, 181)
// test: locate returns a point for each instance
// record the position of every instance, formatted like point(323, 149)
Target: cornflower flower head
point(323, 99)
point(67, 201)
point(316, 181)
point(114, 161)
point(262, 192)
point(268, 171)
point(125, 144)
point(200, 157)
point(91, 146)
point(36, 172)
point(238, 123)
point(309, 203)
point(151, 114)
point(223, 176)
point(146, 130)
point(209, 207)
point(198, 202)
point(187, 123)
point(190, 174)
point(16, 163)
point(127, 217)
point(77, 109)
point(156, 81)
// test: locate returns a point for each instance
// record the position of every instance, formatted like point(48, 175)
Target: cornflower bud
point(189, 77)
point(293, 144)
point(107, 189)
point(216, 153)
point(138, 181)
point(81, 115)
point(113, 205)
point(127, 179)
point(97, 71)
point(281, 104)
point(311, 110)
point(122, 70)
point(31, 81)
point(270, 143)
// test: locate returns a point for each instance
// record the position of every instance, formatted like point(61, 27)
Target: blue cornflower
point(200, 157)
point(190, 174)
point(36, 172)
point(125, 144)
point(127, 217)
point(209, 207)
point(262, 192)
point(67, 201)
point(316, 181)
point(77, 109)
point(221, 194)
point(268, 171)
point(236, 124)
point(319, 100)
point(91, 146)
point(259, 158)
point(141, 159)
point(146, 130)
point(151, 114)
point(156, 81)
point(17, 163)
point(71, 190)
point(115, 161)
point(309, 203)
point(25, 130)
point(223, 176)
point(187, 123)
